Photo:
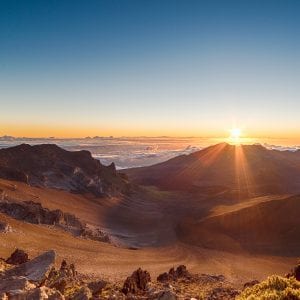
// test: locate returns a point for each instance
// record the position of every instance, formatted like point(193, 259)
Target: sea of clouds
point(128, 152)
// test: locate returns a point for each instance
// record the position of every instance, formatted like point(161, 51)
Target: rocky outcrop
point(32, 212)
point(51, 166)
point(173, 274)
point(18, 257)
point(35, 213)
point(137, 281)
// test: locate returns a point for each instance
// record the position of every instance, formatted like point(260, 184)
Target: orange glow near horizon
point(236, 136)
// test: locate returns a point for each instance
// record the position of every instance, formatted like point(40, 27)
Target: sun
point(235, 133)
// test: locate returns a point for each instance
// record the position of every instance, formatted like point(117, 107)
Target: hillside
point(238, 170)
point(268, 226)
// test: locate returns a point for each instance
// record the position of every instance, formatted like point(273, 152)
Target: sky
point(149, 68)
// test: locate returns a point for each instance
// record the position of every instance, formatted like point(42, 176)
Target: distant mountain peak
point(48, 165)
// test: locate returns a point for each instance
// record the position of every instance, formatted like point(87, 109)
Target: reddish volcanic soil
point(148, 220)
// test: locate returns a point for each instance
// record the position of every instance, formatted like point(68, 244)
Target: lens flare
point(235, 133)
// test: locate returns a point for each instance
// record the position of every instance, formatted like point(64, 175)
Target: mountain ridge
point(48, 165)
point(245, 169)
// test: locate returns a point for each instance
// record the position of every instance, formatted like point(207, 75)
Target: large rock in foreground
point(137, 281)
point(35, 270)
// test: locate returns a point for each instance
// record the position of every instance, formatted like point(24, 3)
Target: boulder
point(35, 270)
point(137, 281)
point(18, 257)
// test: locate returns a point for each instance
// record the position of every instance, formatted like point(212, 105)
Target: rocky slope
point(50, 166)
point(38, 278)
point(35, 213)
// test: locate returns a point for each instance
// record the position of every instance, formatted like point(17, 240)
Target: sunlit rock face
point(50, 166)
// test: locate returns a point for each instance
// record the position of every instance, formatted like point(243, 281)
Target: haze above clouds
point(140, 151)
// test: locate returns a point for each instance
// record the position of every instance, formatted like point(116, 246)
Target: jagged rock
point(173, 274)
point(167, 295)
point(4, 227)
point(250, 283)
point(62, 278)
point(97, 286)
point(35, 270)
point(18, 257)
point(83, 294)
point(15, 283)
point(137, 281)
point(67, 270)
point(130, 286)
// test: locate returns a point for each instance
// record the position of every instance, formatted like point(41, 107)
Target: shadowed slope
point(271, 227)
point(248, 170)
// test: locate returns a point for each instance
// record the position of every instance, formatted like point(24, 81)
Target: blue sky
point(75, 68)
